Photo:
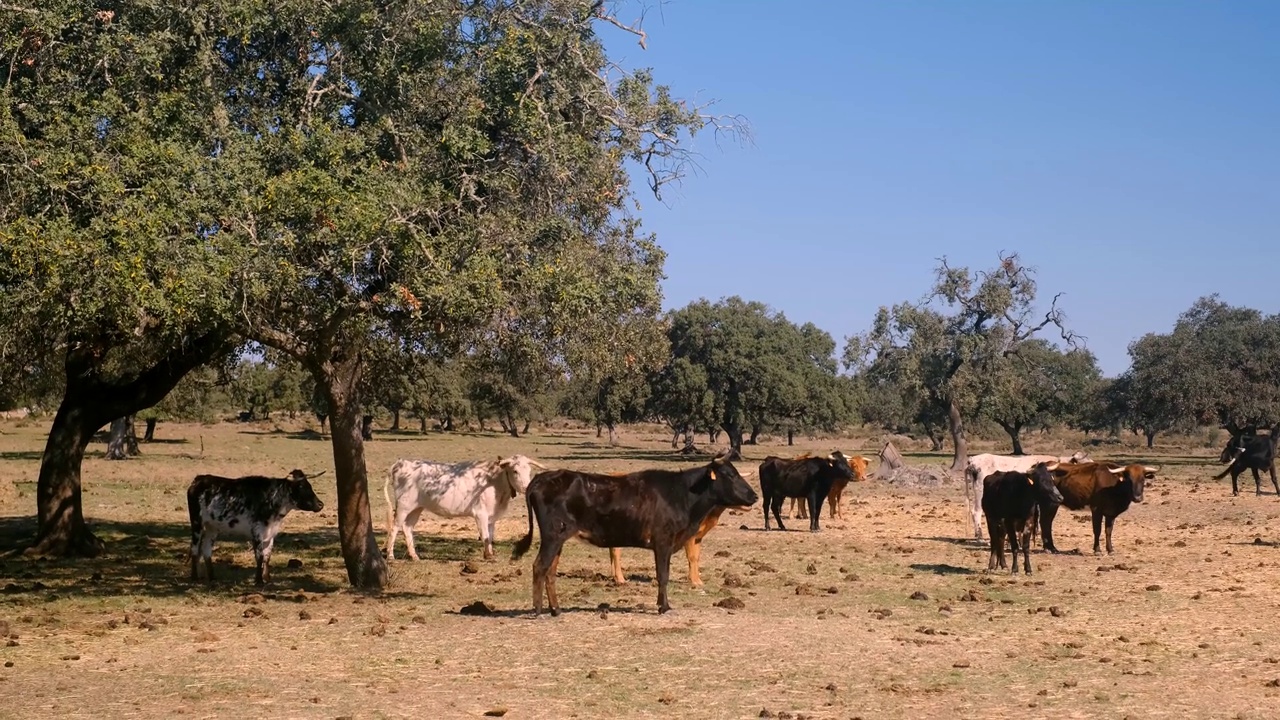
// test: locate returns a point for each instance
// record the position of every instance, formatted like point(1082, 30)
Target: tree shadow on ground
point(152, 559)
point(21, 455)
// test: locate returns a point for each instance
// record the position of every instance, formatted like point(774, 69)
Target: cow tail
point(1226, 472)
point(523, 544)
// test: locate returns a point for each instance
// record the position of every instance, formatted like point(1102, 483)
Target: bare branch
point(634, 28)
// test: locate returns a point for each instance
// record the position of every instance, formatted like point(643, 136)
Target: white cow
point(481, 489)
point(980, 466)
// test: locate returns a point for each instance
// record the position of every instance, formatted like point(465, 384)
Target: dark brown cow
point(656, 509)
point(1106, 488)
point(858, 464)
point(804, 477)
point(1011, 501)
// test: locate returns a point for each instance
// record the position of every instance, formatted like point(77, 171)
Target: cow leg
point(615, 561)
point(195, 556)
point(1257, 481)
point(259, 576)
point(662, 563)
point(409, 521)
point(206, 552)
point(996, 540)
point(833, 501)
point(1047, 512)
point(1097, 530)
point(485, 527)
point(1273, 478)
point(546, 561)
point(391, 536)
point(693, 553)
point(768, 500)
point(1027, 534)
point(1111, 521)
point(815, 509)
point(1235, 489)
point(553, 600)
point(776, 507)
point(975, 510)
point(1011, 529)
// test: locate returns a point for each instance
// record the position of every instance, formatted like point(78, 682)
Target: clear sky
point(1129, 151)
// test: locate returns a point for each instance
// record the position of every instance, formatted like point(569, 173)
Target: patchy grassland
point(1179, 623)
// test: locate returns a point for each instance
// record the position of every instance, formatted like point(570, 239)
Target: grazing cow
point(482, 489)
point(1251, 452)
point(252, 507)
point(1104, 487)
point(858, 464)
point(657, 509)
point(1011, 503)
point(980, 466)
point(804, 477)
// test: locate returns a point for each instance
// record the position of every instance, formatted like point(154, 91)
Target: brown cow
point(656, 509)
point(859, 466)
point(692, 551)
point(1106, 488)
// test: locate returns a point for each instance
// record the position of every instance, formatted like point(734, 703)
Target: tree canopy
point(942, 347)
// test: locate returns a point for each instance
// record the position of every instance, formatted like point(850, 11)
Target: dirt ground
point(887, 613)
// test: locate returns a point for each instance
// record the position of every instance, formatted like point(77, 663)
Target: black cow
point(803, 477)
point(657, 509)
point(250, 507)
point(1011, 502)
point(1254, 453)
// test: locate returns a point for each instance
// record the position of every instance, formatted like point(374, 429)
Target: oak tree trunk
point(88, 403)
point(791, 436)
point(366, 427)
point(755, 435)
point(1151, 438)
point(1014, 431)
point(150, 434)
point(422, 424)
point(395, 420)
point(956, 423)
point(339, 378)
point(613, 439)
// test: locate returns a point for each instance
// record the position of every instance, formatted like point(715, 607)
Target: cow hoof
point(664, 610)
point(555, 612)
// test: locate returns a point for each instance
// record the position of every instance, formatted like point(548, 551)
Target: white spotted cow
point(980, 466)
point(482, 489)
point(252, 507)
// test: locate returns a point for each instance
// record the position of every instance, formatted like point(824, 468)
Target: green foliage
point(761, 370)
point(1220, 365)
point(1037, 385)
point(108, 187)
point(942, 351)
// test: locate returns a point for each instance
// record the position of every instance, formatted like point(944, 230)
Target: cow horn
point(1152, 470)
point(1116, 471)
point(538, 465)
point(1051, 465)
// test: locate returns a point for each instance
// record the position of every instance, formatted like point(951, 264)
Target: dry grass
point(1176, 624)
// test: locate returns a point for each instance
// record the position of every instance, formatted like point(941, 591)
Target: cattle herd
point(666, 510)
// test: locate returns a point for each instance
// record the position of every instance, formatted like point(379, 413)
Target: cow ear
point(702, 482)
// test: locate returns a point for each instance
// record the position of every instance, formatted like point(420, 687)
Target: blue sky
point(1129, 151)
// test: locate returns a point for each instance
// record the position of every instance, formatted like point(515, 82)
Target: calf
point(1251, 452)
point(1106, 488)
point(858, 464)
point(980, 466)
point(692, 550)
point(252, 507)
point(804, 477)
point(482, 489)
point(656, 509)
point(1010, 501)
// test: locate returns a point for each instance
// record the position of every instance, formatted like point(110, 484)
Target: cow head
point(840, 463)
point(1234, 448)
point(518, 471)
point(725, 485)
point(1136, 476)
point(300, 492)
point(858, 464)
point(1041, 480)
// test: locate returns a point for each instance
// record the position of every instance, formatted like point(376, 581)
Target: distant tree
point(944, 352)
point(680, 396)
point(762, 370)
point(1036, 385)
